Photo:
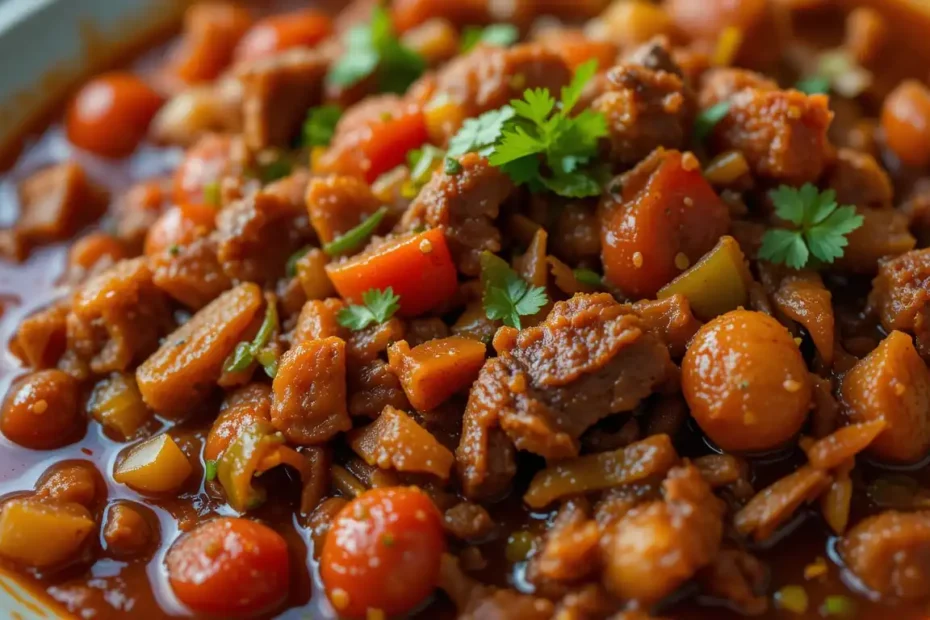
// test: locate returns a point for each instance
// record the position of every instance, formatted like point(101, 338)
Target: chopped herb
point(479, 135)
point(544, 131)
point(586, 276)
point(501, 35)
point(708, 119)
point(274, 170)
point(507, 296)
point(378, 306)
point(355, 237)
point(821, 231)
point(291, 267)
point(452, 166)
point(816, 85)
point(211, 194)
point(246, 353)
point(423, 162)
point(268, 359)
point(838, 606)
point(320, 125)
point(174, 249)
point(374, 48)
point(209, 470)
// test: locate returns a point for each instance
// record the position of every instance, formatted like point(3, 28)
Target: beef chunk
point(890, 553)
point(337, 204)
point(570, 550)
point(901, 296)
point(859, 180)
point(41, 337)
point(277, 92)
point(589, 359)
point(117, 318)
point(395, 441)
point(739, 578)
point(309, 404)
point(193, 275)
point(721, 83)
point(319, 319)
point(372, 387)
point(645, 109)
point(256, 235)
point(468, 521)
point(465, 206)
point(137, 210)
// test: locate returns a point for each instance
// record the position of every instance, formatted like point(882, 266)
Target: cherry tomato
point(110, 114)
point(906, 122)
point(206, 162)
point(229, 566)
point(179, 226)
point(281, 32)
point(383, 552)
point(42, 410)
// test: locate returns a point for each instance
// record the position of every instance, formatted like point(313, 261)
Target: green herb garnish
point(816, 85)
point(357, 236)
point(479, 135)
point(377, 307)
point(507, 296)
point(586, 276)
point(501, 35)
point(707, 119)
point(821, 230)
point(452, 166)
point(320, 125)
point(838, 606)
point(274, 170)
point(374, 48)
point(423, 162)
point(246, 352)
point(209, 470)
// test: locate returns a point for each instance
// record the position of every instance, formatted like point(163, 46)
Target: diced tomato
point(417, 266)
point(281, 32)
point(207, 161)
point(230, 566)
point(376, 147)
point(110, 115)
point(180, 225)
point(383, 553)
point(666, 218)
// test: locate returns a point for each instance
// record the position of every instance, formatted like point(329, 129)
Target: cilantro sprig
point(507, 296)
point(320, 125)
point(374, 48)
point(502, 35)
point(821, 227)
point(377, 307)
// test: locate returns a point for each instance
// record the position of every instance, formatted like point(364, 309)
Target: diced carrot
point(90, 248)
point(435, 370)
point(417, 266)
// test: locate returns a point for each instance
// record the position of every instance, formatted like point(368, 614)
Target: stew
point(480, 310)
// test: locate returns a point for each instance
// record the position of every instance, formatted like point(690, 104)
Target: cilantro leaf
point(507, 296)
point(572, 93)
point(320, 125)
point(479, 135)
point(821, 225)
point(209, 470)
point(375, 49)
point(501, 35)
point(708, 118)
point(378, 306)
point(355, 237)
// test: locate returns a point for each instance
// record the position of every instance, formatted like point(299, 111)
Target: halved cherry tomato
point(229, 566)
point(86, 251)
point(376, 147)
point(207, 161)
point(110, 114)
point(417, 266)
point(179, 226)
point(383, 552)
point(281, 32)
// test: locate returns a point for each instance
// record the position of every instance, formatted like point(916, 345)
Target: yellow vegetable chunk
point(117, 404)
point(154, 466)
point(716, 284)
point(43, 534)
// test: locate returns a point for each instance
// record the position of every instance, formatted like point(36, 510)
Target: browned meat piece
point(185, 369)
point(570, 551)
point(465, 206)
point(721, 83)
point(659, 545)
point(738, 578)
point(901, 296)
point(489, 77)
point(859, 180)
point(395, 441)
point(368, 344)
point(781, 133)
point(589, 359)
point(127, 532)
point(256, 235)
point(137, 210)
point(372, 387)
point(56, 202)
point(337, 204)
point(192, 275)
point(468, 521)
point(316, 486)
point(277, 91)
point(42, 337)
point(309, 404)
point(577, 234)
point(645, 109)
point(656, 55)
point(319, 319)
point(884, 234)
point(801, 296)
point(423, 330)
point(670, 320)
point(890, 553)
point(117, 318)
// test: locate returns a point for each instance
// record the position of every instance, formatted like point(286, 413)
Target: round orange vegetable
point(906, 122)
point(746, 382)
point(179, 226)
point(110, 114)
point(207, 162)
point(417, 266)
point(91, 248)
point(42, 410)
point(383, 552)
point(229, 566)
point(284, 31)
